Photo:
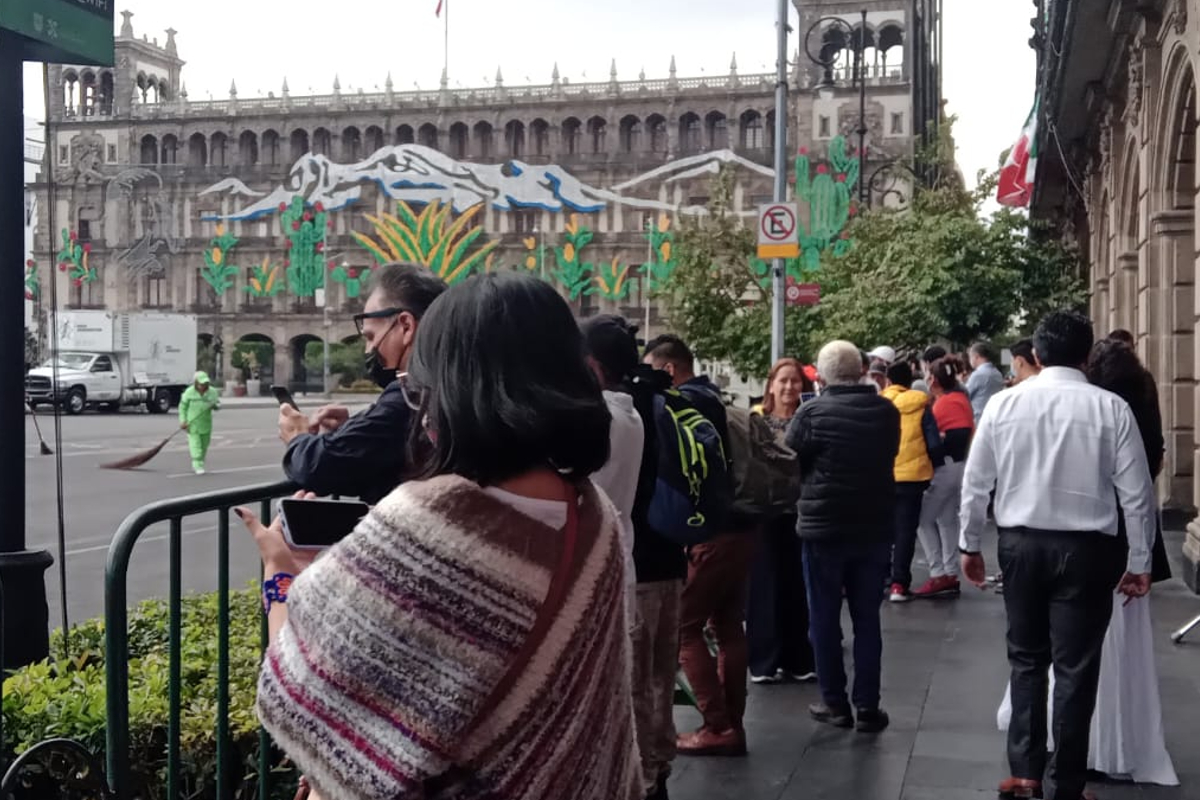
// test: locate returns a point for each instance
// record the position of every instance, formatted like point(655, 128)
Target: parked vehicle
point(108, 359)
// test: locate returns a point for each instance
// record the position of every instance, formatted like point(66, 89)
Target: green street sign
point(68, 31)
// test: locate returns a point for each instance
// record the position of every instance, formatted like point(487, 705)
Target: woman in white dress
point(1127, 740)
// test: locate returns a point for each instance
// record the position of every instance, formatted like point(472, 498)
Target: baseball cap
point(883, 353)
point(201, 378)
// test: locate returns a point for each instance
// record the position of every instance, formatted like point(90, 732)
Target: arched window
point(891, 50)
point(170, 150)
point(717, 128)
point(373, 139)
point(405, 135)
point(597, 128)
point(106, 93)
point(299, 144)
point(571, 136)
point(752, 136)
point(322, 142)
point(657, 126)
point(248, 148)
point(70, 92)
point(483, 140)
point(87, 93)
point(460, 136)
point(514, 138)
point(427, 136)
point(149, 150)
point(351, 144)
point(631, 134)
point(270, 148)
point(691, 134)
point(197, 151)
point(540, 134)
point(218, 150)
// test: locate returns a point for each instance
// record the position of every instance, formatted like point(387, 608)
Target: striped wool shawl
point(396, 636)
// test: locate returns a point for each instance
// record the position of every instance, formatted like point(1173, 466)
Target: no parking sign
point(778, 231)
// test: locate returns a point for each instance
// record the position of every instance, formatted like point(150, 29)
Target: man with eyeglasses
point(363, 455)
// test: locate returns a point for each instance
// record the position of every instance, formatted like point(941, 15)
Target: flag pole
point(446, 41)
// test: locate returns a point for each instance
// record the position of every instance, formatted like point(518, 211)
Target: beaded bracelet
point(275, 589)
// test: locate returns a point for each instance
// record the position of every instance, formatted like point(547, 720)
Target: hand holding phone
point(314, 524)
point(284, 397)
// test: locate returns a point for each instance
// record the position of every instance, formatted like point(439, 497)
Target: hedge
point(66, 698)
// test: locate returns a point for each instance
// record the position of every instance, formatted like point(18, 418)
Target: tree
point(936, 269)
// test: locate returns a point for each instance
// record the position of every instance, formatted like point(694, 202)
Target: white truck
point(111, 359)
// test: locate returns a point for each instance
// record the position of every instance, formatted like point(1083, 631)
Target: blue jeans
point(860, 569)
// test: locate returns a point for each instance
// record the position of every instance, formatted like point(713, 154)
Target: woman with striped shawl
point(467, 640)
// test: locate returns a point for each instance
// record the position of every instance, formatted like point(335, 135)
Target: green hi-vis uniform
point(196, 409)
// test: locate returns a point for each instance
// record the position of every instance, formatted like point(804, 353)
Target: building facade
point(1118, 174)
point(250, 212)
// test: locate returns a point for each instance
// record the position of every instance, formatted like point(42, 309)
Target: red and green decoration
point(31, 280)
point(305, 227)
point(218, 272)
point(73, 259)
point(354, 279)
point(827, 189)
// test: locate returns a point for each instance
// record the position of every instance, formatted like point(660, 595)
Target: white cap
point(883, 353)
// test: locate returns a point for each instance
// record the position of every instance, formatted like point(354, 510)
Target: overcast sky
point(989, 70)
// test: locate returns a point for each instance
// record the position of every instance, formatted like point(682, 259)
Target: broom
point(137, 460)
point(46, 451)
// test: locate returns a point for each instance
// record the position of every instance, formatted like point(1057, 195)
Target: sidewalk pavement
point(944, 676)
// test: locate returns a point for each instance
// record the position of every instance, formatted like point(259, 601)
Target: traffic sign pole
point(781, 113)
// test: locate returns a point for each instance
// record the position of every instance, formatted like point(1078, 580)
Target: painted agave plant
point(431, 238)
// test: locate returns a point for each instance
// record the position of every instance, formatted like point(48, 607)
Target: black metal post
point(26, 638)
point(860, 76)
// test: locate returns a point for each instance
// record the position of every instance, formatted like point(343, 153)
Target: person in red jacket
point(938, 530)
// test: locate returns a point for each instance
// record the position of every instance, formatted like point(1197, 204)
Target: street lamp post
point(778, 267)
point(856, 42)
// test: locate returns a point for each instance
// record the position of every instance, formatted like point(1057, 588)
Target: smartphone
point(317, 524)
point(284, 397)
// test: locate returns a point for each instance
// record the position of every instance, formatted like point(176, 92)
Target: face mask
point(379, 373)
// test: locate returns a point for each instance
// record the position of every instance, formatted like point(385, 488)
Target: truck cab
point(83, 379)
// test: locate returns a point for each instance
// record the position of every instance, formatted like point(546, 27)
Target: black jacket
point(655, 557)
point(847, 440)
point(364, 458)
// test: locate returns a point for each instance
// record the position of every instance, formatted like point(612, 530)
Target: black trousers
point(1058, 589)
point(776, 606)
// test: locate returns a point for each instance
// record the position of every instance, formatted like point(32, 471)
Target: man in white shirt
point(985, 380)
point(1061, 454)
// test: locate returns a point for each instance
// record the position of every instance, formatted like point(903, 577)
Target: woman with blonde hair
point(776, 609)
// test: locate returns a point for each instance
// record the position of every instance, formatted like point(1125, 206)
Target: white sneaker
point(199, 470)
point(802, 677)
point(761, 679)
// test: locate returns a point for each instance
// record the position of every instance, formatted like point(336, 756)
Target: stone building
point(1117, 137)
point(213, 207)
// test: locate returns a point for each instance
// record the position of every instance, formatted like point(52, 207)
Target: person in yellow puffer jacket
point(920, 446)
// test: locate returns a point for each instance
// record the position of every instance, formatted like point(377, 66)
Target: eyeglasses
point(414, 395)
point(359, 319)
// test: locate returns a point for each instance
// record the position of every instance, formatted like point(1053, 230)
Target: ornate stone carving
point(1179, 16)
point(1133, 102)
point(87, 158)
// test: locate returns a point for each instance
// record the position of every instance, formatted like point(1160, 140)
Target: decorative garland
point(31, 280)
point(74, 257)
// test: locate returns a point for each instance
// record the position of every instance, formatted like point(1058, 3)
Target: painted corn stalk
point(305, 228)
point(827, 191)
point(32, 288)
point(451, 249)
point(571, 270)
point(265, 280)
point(218, 272)
point(611, 281)
point(657, 271)
point(73, 259)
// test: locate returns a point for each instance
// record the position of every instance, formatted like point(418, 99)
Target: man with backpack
point(719, 554)
point(659, 562)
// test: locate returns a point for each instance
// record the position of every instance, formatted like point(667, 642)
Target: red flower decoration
point(296, 225)
point(853, 209)
point(78, 281)
point(287, 262)
point(282, 207)
point(331, 263)
point(287, 245)
point(31, 263)
point(320, 207)
point(320, 247)
point(87, 247)
point(845, 234)
point(307, 216)
point(62, 266)
point(352, 273)
point(822, 169)
point(28, 295)
point(803, 151)
point(841, 178)
point(330, 225)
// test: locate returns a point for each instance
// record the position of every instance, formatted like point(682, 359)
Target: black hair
point(1114, 366)
point(1023, 349)
point(933, 353)
point(900, 373)
point(944, 372)
point(985, 350)
point(408, 286)
point(1063, 339)
point(671, 348)
point(612, 341)
point(499, 362)
point(1123, 336)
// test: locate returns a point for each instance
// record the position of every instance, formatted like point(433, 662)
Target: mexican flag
point(1017, 174)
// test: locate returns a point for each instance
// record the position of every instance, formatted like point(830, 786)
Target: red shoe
point(706, 742)
point(1020, 788)
point(898, 594)
point(944, 586)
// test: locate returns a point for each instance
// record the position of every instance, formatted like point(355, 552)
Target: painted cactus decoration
point(305, 228)
point(830, 205)
point(265, 280)
point(430, 238)
point(658, 270)
point(218, 272)
point(355, 280)
point(31, 280)
point(73, 258)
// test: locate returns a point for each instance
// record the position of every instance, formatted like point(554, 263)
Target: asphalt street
point(245, 450)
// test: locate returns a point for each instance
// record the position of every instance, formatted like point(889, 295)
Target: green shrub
point(362, 386)
point(57, 698)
